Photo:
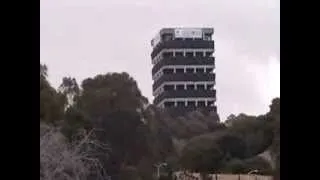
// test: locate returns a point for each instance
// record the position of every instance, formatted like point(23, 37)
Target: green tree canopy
point(52, 103)
point(202, 154)
point(112, 105)
point(255, 131)
point(140, 134)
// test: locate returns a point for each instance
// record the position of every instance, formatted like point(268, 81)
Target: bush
point(60, 160)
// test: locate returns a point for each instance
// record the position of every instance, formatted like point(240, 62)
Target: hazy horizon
point(81, 39)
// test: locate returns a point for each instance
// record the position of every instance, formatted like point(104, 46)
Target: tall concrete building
point(183, 69)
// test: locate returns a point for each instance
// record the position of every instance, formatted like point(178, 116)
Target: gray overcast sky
point(83, 38)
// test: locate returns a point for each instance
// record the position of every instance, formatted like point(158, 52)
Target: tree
point(199, 122)
point(70, 88)
point(202, 155)
point(274, 115)
point(230, 119)
point(275, 147)
point(159, 136)
point(113, 105)
point(74, 121)
point(193, 124)
point(231, 145)
point(255, 131)
point(43, 71)
point(141, 135)
point(52, 103)
point(221, 146)
point(110, 93)
point(275, 106)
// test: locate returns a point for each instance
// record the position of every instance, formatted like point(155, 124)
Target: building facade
point(183, 69)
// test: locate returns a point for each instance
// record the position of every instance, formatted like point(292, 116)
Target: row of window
point(170, 37)
point(187, 54)
point(179, 87)
point(188, 104)
point(182, 53)
point(188, 87)
point(187, 70)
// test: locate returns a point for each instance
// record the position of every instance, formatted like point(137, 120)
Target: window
point(179, 54)
point(210, 103)
point(209, 86)
point(179, 70)
point(215, 108)
point(200, 70)
point(189, 54)
point(201, 103)
point(189, 70)
point(169, 104)
point(207, 37)
point(209, 70)
point(168, 87)
point(167, 54)
point(180, 87)
point(191, 103)
point(190, 87)
point(168, 71)
point(200, 87)
point(180, 104)
point(199, 54)
point(208, 54)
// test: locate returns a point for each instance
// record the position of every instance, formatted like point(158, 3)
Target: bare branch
point(60, 160)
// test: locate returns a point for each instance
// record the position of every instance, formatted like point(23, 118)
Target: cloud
point(83, 38)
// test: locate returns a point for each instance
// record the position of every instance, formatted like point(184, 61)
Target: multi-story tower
point(183, 69)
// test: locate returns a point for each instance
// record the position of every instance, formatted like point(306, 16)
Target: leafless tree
point(62, 160)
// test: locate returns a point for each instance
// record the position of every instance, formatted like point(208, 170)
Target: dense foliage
point(139, 135)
